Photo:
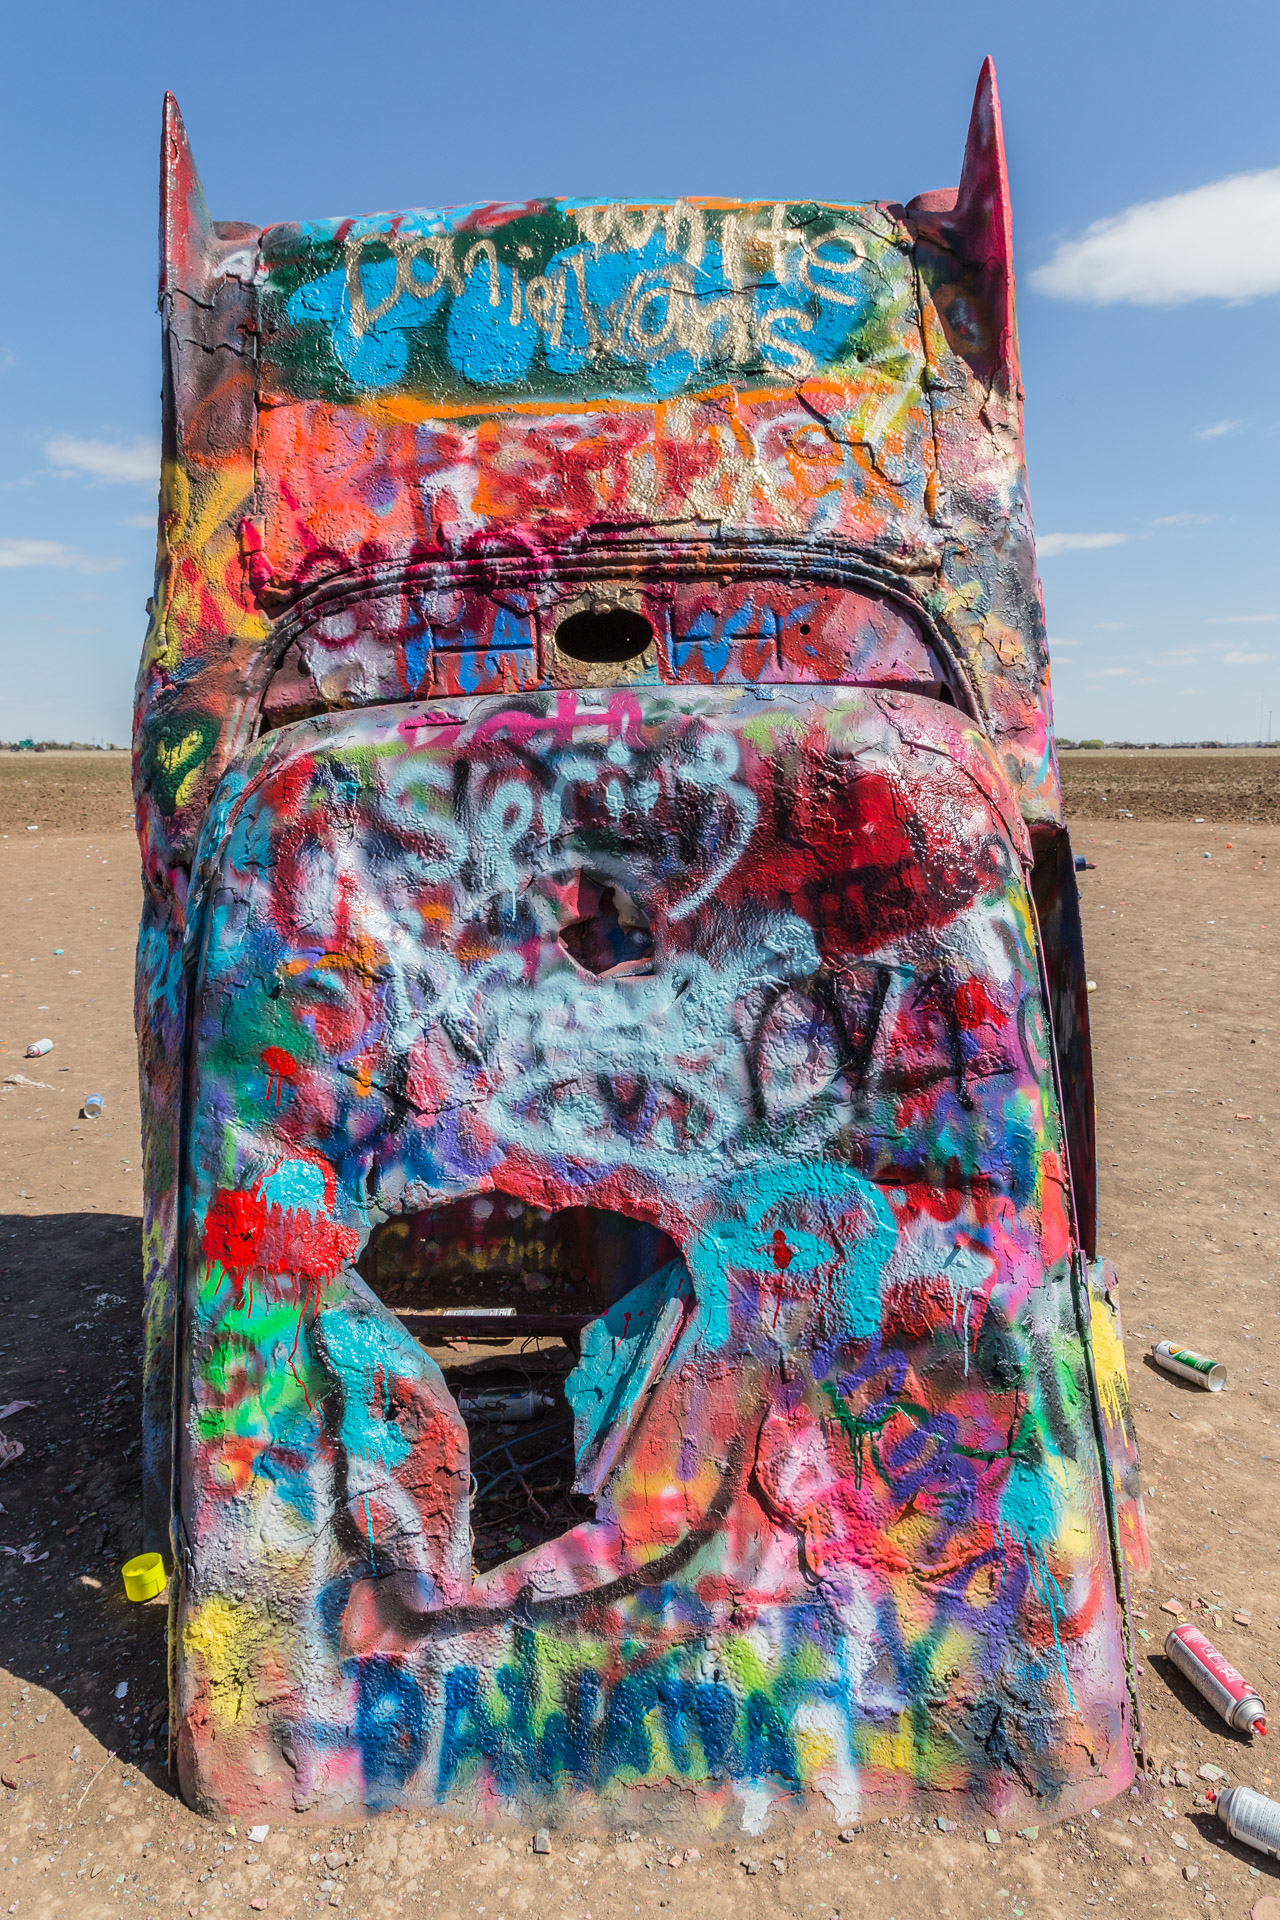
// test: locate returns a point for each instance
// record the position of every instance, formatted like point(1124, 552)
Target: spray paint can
point(502, 1405)
point(1207, 1373)
point(1227, 1691)
point(38, 1048)
point(1250, 1817)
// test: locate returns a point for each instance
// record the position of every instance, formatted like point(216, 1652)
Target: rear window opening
point(604, 636)
point(414, 644)
point(503, 1297)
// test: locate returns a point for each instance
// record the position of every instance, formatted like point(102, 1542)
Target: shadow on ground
point(70, 1503)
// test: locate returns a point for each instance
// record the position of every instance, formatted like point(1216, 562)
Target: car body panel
point(722, 992)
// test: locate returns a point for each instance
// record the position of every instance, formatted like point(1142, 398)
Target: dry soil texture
point(89, 792)
point(64, 792)
point(1153, 784)
point(1184, 951)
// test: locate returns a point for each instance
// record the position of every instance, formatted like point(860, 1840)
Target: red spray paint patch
point(280, 1066)
point(243, 1233)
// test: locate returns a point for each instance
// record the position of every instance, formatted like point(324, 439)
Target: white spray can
point(1250, 1817)
point(502, 1405)
point(1210, 1374)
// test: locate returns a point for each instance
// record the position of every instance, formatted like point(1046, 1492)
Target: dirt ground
point(72, 792)
point(65, 792)
point(1224, 784)
point(1185, 953)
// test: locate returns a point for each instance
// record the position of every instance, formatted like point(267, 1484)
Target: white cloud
point(1237, 659)
point(1220, 242)
point(1058, 645)
point(1118, 673)
point(1184, 519)
point(139, 520)
point(1113, 626)
point(1219, 430)
point(51, 553)
point(129, 461)
point(1244, 619)
point(1049, 544)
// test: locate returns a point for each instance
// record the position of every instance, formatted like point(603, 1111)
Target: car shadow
point(71, 1501)
point(1214, 1834)
point(1187, 1697)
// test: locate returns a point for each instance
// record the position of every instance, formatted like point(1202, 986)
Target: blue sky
point(1148, 345)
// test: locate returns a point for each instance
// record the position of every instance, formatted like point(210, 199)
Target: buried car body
point(623, 1305)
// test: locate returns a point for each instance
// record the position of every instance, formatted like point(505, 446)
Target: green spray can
point(1210, 1374)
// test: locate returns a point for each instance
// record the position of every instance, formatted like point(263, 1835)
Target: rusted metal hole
point(603, 636)
point(615, 939)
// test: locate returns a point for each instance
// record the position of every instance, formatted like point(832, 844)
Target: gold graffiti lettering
point(632, 228)
point(579, 266)
point(685, 231)
point(545, 300)
point(406, 250)
point(795, 358)
point(781, 239)
point(654, 316)
point(814, 257)
point(594, 224)
point(485, 250)
point(731, 253)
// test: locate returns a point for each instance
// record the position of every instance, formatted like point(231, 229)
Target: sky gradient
point(1145, 170)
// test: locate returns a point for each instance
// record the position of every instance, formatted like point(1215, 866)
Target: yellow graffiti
point(228, 1640)
point(172, 757)
point(815, 1750)
point(1108, 1363)
point(892, 1749)
point(201, 553)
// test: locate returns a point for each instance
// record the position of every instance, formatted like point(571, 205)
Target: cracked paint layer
point(594, 761)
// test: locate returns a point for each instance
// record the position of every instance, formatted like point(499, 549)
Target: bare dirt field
point(1185, 951)
point(65, 792)
point(75, 792)
point(1218, 784)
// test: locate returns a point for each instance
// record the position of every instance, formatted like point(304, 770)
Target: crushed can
point(1206, 1373)
point(1214, 1677)
point(1250, 1817)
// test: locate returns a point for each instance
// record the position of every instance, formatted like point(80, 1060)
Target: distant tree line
point(59, 746)
point(1159, 746)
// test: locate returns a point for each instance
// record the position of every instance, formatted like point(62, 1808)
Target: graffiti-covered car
point(624, 1327)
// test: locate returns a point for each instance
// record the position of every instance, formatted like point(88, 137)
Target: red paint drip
point(280, 1066)
point(242, 1233)
point(783, 1255)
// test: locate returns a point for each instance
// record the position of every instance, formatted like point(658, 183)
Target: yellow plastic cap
point(144, 1576)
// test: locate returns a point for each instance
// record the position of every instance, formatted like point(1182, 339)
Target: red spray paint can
point(1227, 1691)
